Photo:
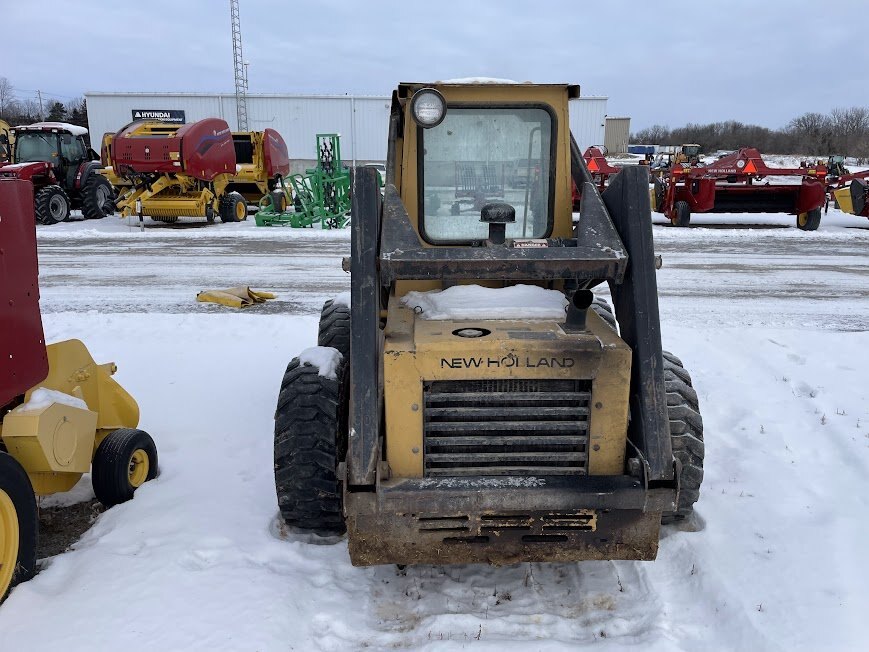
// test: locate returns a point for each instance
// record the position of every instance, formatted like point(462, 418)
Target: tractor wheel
point(809, 221)
point(334, 328)
point(681, 214)
point(51, 205)
point(605, 312)
point(686, 435)
point(124, 461)
point(310, 442)
point(233, 208)
point(97, 196)
point(18, 525)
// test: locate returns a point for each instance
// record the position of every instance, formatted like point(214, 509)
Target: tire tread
point(309, 444)
point(686, 435)
point(334, 327)
point(110, 466)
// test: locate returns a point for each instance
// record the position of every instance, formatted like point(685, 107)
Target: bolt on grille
point(506, 427)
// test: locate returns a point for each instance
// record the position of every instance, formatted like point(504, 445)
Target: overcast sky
point(758, 61)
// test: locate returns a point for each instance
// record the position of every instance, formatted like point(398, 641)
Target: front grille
point(506, 427)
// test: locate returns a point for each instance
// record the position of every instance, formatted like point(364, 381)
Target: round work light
point(428, 107)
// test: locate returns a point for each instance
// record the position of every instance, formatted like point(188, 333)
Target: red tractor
point(63, 169)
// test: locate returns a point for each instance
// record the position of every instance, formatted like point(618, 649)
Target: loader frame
point(611, 244)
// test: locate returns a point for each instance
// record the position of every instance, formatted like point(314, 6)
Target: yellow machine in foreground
point(57, 430)
point(61, 413)
point(77, 420)
point(485, 406)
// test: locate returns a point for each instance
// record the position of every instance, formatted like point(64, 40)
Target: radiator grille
point(506, 427)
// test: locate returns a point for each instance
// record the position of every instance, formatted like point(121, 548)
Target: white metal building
point(362, 121)
point(587, 120)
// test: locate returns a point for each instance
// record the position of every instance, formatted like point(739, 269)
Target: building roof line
point(299, 96)
point(232, 95)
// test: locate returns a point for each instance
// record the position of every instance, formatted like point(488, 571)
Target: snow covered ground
point(772, 323)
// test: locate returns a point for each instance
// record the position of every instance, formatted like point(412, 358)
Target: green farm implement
point(320, 196)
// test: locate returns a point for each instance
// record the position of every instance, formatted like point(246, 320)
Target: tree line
point(21, 111)
point(842, 131)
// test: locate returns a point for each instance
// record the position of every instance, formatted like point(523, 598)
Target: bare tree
point(653, 135)
point(850, 129)
point(77, 111)
point(7, 96)
point(811, 132)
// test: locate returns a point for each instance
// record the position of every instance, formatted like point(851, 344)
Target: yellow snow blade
point(240, 297)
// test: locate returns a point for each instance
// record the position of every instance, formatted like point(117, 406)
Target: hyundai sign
point(173, 116)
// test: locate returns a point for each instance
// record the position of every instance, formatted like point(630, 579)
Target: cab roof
point(406, 89)
point(75, 130)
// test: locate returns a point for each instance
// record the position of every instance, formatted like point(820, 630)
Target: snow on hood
point(42, 398)
point(325, 358)
point(75, 130)
point(477, 302)
point(478, 80)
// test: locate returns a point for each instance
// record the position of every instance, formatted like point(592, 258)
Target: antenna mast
point(240, 75)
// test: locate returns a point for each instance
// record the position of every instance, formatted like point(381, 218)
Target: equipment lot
point(772, 322)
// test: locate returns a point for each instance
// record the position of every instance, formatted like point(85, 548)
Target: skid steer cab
point(473, 399)
point(55, 157)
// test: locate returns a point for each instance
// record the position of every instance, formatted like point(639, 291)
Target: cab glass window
point(71, 147)
point(478, 156)
point(35, 146)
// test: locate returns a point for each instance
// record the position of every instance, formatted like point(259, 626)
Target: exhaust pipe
point(577, 310)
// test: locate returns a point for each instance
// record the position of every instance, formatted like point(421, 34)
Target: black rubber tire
point(49, 206)
point(686, 435)
point(682, 214)
point(310, 442)
point(605, 312)
point(16, 485)
point(229, 207)
point(279, 200)
point(111, 465)
point(97, 197)
point(660, 190)
point(811, 221)
point(334, 327)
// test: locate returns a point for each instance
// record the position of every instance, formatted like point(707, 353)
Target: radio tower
point(240, 75)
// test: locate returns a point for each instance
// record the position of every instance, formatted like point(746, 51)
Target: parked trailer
point(600, 169)
point(201, 169)
point(735, 183)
